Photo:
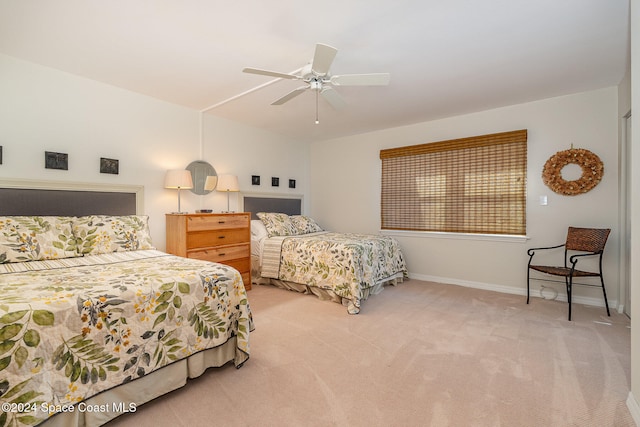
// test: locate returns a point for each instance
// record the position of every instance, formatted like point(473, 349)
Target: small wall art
point(0, 154)
point(292, 183)
point(275, 182)
point(255, 179)
point(53, 160)
point(111, 166)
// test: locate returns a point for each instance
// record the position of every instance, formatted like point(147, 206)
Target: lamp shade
point(178, 178)
point(227, 183)
point(210, 183)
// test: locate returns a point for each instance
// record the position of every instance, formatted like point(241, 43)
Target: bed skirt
point(125, 398)
point(328, 294)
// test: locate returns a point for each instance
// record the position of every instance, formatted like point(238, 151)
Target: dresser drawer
point(221, 254)
point(202, 239)
point(242, 265)
point(216, 222)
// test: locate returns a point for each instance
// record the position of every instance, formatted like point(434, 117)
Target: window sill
point(509, 238)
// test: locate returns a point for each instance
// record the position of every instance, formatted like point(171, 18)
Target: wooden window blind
point(467, 185)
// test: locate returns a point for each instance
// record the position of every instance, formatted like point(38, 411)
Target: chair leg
point(528, 272)
point(604, 292)
point(569, 282)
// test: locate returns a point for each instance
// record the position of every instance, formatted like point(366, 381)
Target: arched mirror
point(200, 170)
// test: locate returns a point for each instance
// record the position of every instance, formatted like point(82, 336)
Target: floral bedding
point(347, 264)
point(71, 328)
point(34, 238)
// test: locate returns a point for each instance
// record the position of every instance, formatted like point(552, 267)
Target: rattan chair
point(587, 242)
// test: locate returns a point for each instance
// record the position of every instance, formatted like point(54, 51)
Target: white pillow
point(258, 230)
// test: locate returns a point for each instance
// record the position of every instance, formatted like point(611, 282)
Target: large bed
point(292, 251)
point(94, 321)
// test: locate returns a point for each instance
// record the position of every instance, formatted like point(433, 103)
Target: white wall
point(348, 198)
point(245, 151)
point(42, 109)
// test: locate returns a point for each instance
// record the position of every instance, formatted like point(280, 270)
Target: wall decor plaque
point(53, 160)
point(111, 166)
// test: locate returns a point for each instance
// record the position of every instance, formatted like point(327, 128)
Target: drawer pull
point(221, 222)
point(222, 254)
point(221, 237)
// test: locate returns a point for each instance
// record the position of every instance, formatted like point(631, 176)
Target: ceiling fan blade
point(323, 58)
point(269, 73)
point(333, 98)
point(289, 96)
point(375, 79)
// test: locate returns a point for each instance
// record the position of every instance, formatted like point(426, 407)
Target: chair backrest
point(587, 239)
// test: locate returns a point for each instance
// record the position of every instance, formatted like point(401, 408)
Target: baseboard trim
point(634, 408)
point(535, 292)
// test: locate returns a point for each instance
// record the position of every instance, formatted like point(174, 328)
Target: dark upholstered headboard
point(22, 197)
point(266, 203)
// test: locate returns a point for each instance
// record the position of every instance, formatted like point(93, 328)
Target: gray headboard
point(69, 199)
point(288, 205)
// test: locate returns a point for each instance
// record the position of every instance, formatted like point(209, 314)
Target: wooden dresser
point(218, 237)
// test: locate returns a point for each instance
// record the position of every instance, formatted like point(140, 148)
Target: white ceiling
point(445, 57)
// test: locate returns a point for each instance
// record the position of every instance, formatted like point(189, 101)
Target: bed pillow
point(304, 224)
point(258, 230)
point(35, 238)
point(102, 234)
point(277, 224)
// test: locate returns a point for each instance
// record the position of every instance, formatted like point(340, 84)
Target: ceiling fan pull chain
point(317, 120)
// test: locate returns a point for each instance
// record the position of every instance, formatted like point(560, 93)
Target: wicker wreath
point(592, 171)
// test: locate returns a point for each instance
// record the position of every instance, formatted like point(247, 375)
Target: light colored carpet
point(418, 354)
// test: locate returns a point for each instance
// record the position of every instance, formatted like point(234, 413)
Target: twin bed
point(94, 321)
point(292, 251)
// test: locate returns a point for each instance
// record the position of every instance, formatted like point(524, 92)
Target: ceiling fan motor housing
point(315, 84)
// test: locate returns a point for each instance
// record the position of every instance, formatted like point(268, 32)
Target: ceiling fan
point(317, 78)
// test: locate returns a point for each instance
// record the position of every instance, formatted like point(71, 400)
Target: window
point(467, 185)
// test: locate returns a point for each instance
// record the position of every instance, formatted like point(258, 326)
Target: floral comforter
point(71, 328)
point(347, 264)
